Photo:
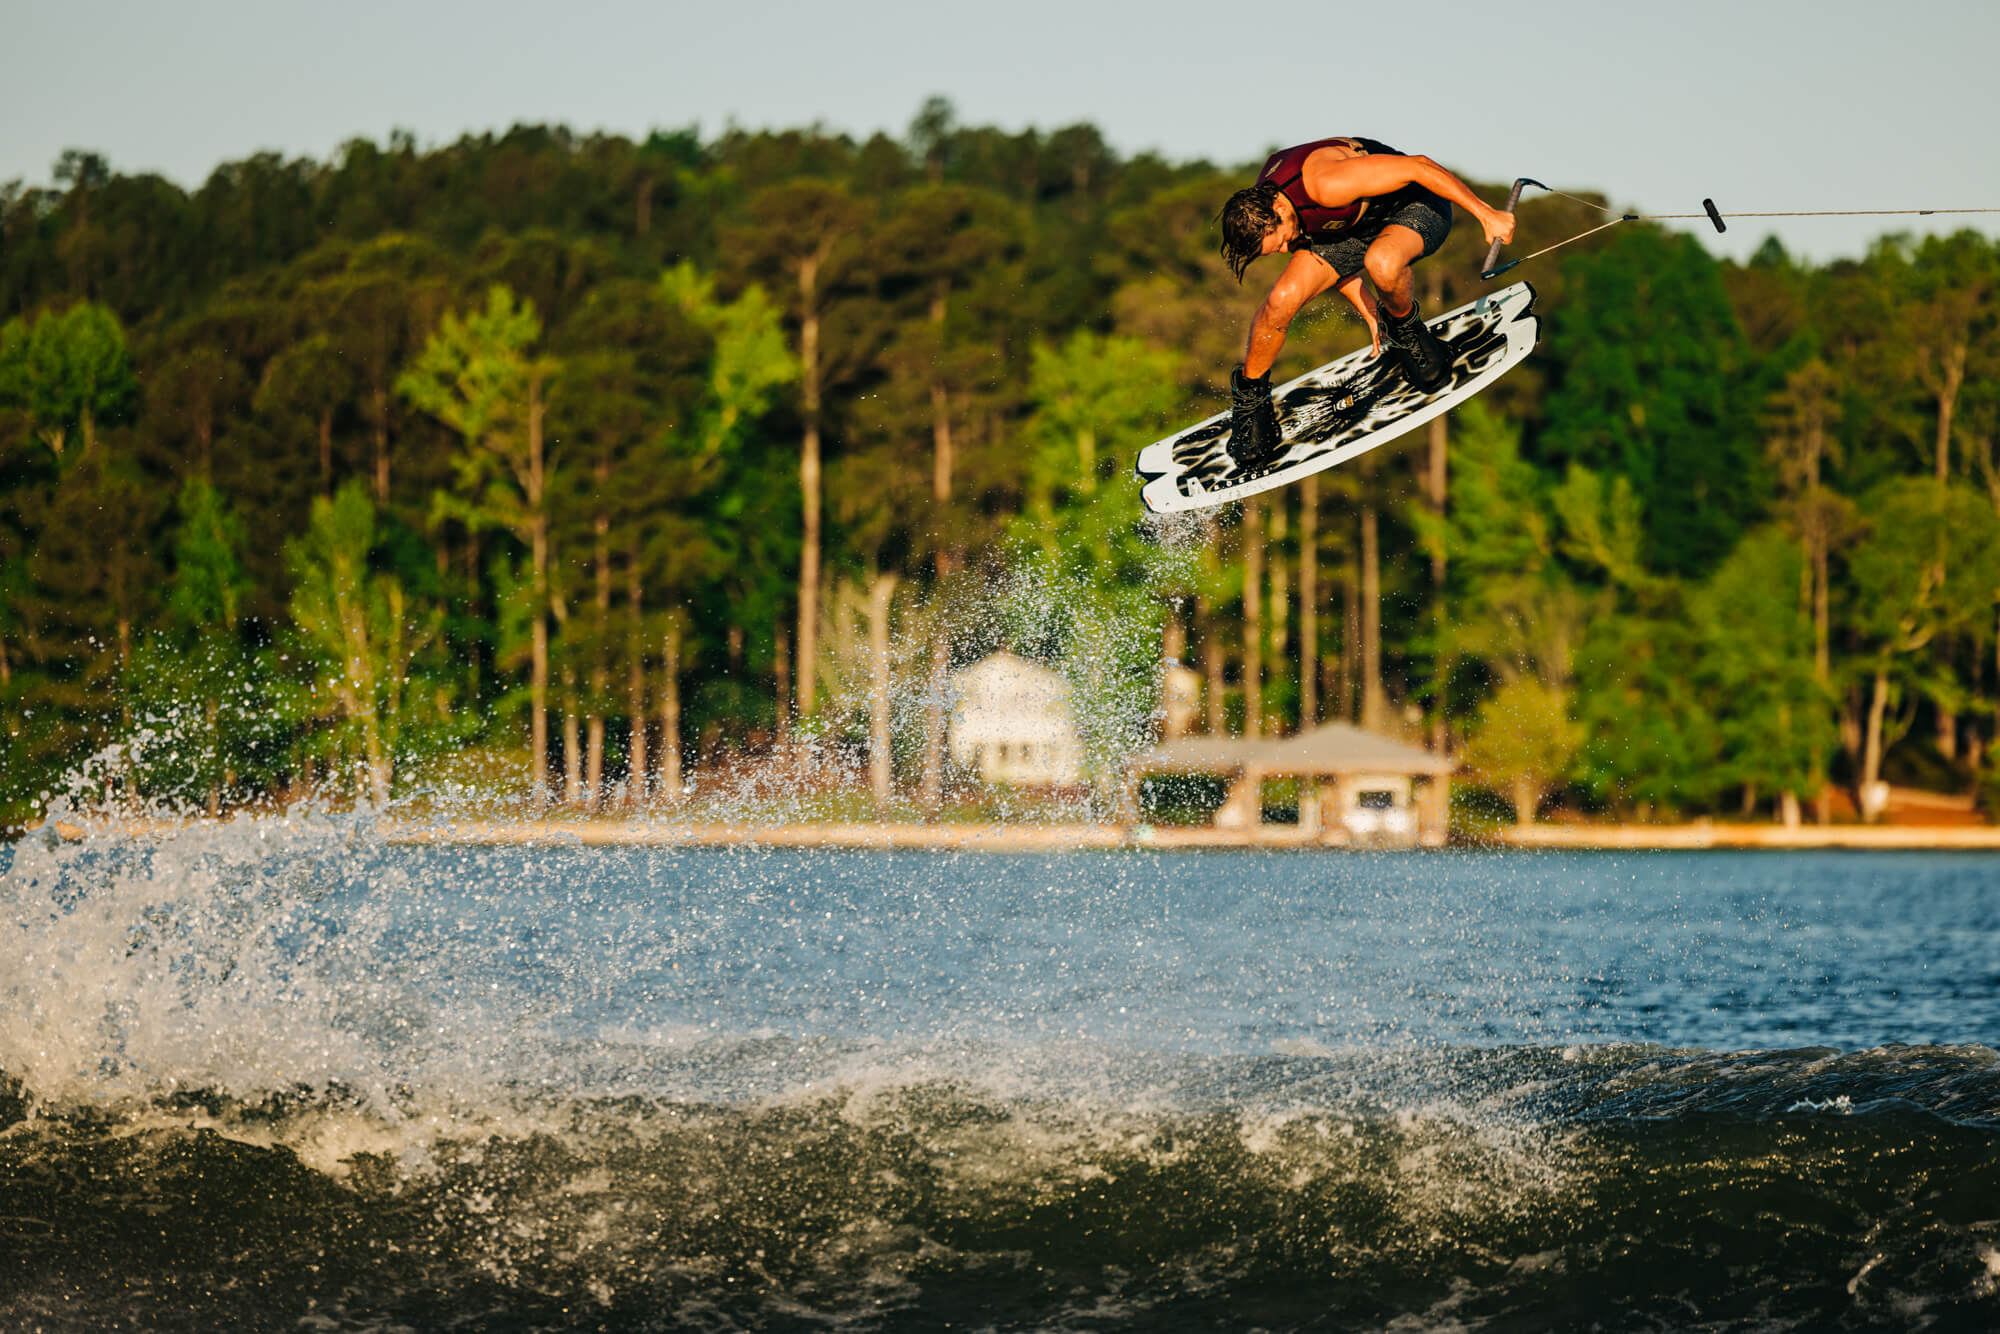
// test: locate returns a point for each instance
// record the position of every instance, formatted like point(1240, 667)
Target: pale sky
point(1762, 104)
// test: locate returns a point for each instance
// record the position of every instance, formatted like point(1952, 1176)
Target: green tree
point(1948, 321)
point(1094, 400)
point(1089, 582)
point(1650, 354)
point(1926, 575)
point(1550, 604)
point(750, 363)
point(752, 540)
point(96, 576)
point(635, 408)
point(811, 231)
point(942, 252)
point(209, 582)
point(1525, 743)
point(1753, 658)
point(359, 637)
point(192, 394)
point(67, 374)
point(1518, 608)
point(194, 674)
point(931, 132)
point(481, 376)
point(83, 245)
point(1652, 739)
point(377, 303)
point(309, 380)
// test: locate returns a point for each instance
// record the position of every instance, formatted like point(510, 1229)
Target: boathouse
point(1353, 787)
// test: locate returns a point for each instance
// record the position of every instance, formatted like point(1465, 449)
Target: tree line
point(590, 465)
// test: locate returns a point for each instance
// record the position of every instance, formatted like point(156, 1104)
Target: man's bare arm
point(1357, 292)
point(1337, 181)
point(1305, 277)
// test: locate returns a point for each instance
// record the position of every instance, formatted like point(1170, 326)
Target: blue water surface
point(1215, 952)
point(277, 1074)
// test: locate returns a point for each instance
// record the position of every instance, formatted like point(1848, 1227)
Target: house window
point(1375, 801)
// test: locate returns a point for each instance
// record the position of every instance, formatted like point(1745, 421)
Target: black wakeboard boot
point(1253, 423)
point(1425, 360)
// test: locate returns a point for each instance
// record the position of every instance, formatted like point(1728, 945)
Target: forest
point(595, 471)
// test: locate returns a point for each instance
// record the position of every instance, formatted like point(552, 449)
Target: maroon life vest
point(1286, 170)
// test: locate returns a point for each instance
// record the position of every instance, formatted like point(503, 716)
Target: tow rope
point(1493, 268)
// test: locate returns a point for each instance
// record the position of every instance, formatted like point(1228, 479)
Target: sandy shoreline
point(962, 837)
point(1059, 838)
point(1754, 836)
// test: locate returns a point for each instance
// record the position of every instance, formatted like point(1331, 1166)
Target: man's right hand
point(1498, 226)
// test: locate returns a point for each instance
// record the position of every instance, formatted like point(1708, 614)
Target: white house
point(1011, 722)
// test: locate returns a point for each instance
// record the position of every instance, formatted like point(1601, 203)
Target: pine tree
point(481, 376)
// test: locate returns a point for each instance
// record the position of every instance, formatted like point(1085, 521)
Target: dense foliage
point(584, 461)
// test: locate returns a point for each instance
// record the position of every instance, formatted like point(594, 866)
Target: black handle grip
point(1487, 270)
point(1493, 251)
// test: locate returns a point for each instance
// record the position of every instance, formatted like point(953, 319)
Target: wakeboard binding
point(1254, 439)
point(1425, 360)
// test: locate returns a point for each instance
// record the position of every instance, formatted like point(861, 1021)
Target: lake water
point(282, 1076)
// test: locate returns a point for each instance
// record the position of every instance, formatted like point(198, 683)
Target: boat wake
point(245, 1083)
point(1514, 1189)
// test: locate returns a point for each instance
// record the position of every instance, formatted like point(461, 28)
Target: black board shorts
point(1425, 213)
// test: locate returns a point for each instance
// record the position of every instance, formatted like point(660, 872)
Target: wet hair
point(1246, 220)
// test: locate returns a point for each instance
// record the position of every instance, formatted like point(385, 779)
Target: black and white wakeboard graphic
point(1342, 410)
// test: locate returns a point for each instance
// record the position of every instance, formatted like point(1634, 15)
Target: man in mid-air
point(1355, 215)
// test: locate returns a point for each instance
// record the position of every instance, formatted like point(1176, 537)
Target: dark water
point(282, 1077)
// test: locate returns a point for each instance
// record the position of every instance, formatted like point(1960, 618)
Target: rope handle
point(1513, 198)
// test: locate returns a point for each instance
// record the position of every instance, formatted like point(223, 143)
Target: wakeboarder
point(1354, 214)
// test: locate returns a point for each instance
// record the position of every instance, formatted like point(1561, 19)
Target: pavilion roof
point(1331, 748)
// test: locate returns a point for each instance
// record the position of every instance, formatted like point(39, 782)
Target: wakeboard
point(1342, 410)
